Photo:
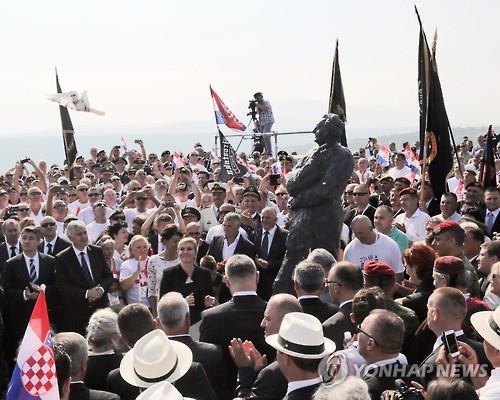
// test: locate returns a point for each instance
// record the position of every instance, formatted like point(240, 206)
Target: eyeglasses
point(358, 328)
point(35, 194)
point(193, 233)
point(93, 194)
point(82, 189)
point(360, 194)
point(281, 194)
point(327, 282)
point(350, 193)
point(23, 209)
point(48, 225)
point(141, 198)
point(60, 206)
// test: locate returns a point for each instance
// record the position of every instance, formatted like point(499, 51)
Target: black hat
point(282, 153)
point(191, 211)
point(165, 153)
point(251, 191)
point(217, 187)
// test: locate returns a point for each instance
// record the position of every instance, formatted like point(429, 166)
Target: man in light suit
point(209, 215)
point(270, 243)
point(82, 279)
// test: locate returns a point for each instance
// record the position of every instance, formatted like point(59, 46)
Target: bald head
point(277, 307)
point(362, 228)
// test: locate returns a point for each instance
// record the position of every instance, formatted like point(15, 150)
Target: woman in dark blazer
point(193, 282)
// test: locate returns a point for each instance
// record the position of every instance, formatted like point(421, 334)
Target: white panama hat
point(154, 359)
point(487, 324)
point(301, 335)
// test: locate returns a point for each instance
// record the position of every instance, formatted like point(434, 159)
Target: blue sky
point(149, 63)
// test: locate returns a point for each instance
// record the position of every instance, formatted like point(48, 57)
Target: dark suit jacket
point(98, 368)
point(59, 246)
point(335, 326)
point(5, 255)
point(239, 317)
point(174, 280)
point(153, 241)
point(244, 246)
point(434, 208)
point(429, 364)
point(193, 384)
point(274, 258)
point(270, 383)
point(78, 391)
point(202, 251)
point(417, 301)
point(15, 280)
point(208, 355)
point(369, 211)
point(377, 383)
point(318, 308)
point(305, 393)
point(72, 286)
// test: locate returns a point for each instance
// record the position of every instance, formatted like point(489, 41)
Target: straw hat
point(487, 324)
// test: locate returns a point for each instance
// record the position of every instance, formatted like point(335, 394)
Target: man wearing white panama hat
point(301, 346)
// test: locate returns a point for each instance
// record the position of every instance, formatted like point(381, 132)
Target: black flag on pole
point(424, 62)
point(68, 131)
point(488, 173)
point(230, 167)
point(437, 127)
point(336, 104)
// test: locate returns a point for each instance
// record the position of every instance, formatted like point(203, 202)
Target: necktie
point(49, 248)
point(13, 251)
point(265, 245)
point(32, 271)
point(85, 268)
point(489, 221)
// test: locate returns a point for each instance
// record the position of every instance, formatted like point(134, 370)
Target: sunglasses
point(82, 190)
point(93, 194)
point(360, 194)
point(35, 194)
point(23, 194)
point(119, 218)
point(281, 194)
point(48, 225)
point(349, 193)
point(60, 206)
point(141, 198)
point(358, 329)
point(23, 209)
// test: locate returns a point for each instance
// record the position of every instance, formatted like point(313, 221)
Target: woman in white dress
point(170, 237)
point(134, 272)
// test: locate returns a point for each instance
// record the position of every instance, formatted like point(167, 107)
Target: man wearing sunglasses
point(82, 202)
point(362, 206)
point(51, 243)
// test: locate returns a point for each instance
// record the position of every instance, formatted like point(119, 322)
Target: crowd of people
point(159, 279)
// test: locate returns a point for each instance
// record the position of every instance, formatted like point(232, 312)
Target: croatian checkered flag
point(223, 115)
point(34, 375)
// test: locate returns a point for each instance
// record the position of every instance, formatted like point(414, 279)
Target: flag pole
point(216, 124)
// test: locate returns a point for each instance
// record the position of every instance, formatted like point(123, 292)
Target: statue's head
point(329, 129)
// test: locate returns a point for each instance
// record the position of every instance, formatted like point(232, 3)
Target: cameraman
point(266, 120)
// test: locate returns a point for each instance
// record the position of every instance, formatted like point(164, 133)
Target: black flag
point(230, 167)
point(336, 104)
point(488, 173)
point(68, 132)
point(437, 127)
point(424, 62)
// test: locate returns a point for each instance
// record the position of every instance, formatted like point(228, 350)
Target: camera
point(404, 392)
point(25, 160)
point(252, 105)
point(167, 204)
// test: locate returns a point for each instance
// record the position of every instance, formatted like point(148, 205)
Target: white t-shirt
point(87, 214)
point(131, 213)
point(94, 230)
point(75, 207)
point(217, 230)
point(395, 173)
point(384, 249)
point(138, 292)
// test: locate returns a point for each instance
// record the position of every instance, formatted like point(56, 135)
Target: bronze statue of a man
point(316, 186)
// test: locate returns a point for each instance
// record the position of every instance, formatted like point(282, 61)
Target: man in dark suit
point(11, 247)
point(134, 322)
point(270, 242)
point(447, 309)
point(308, 282)
point(300, 347)
point(239, 317)
point(223, 247)
point(344, 280)
point(51, 244)
point(492, 203)
point(21, 281)
point(173, 314)
point(432, 205)
point(270, 383)
point(361, 195)
point(380, 339)
point(82, 279)
point(75, 346)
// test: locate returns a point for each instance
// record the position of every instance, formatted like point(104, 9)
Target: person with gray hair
point(76, 347)
point(237, 318)
point(103, 337)
point(352, 388)
point(322, 257)
point(174, 319)
point(82, 279)
point(308, 283)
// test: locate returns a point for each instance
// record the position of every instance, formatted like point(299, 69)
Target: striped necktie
point(32, 271)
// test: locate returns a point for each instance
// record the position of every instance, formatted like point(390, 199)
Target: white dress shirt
point(46, 247)
point(302, 384)
point(229, 249)
point(79, 257)
point(17, 248)
point(271, 231)
point(36, 262)
point(491, 390)
point(415, 225)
